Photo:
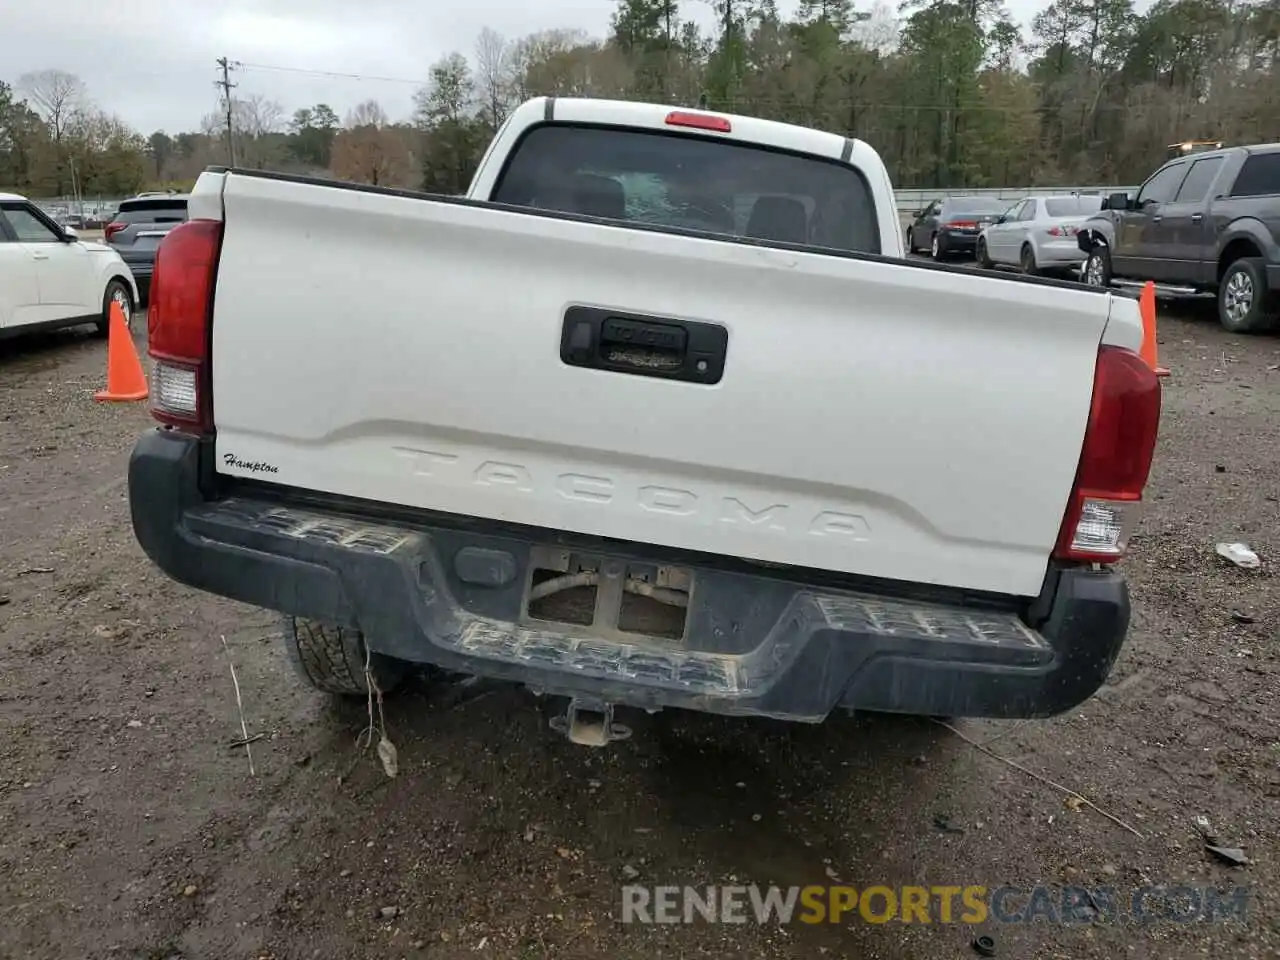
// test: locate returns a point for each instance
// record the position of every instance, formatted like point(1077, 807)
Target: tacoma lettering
point(595, 491)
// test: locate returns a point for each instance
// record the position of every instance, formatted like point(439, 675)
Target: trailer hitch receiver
point(590, 723)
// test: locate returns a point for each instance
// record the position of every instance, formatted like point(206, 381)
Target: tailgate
point(873, 417)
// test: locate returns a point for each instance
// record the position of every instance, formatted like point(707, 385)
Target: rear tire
point(1027, 260)
point(117, 290)
point(936, 249)
point(332, 659)
point(1245, 304)
point(984, 261)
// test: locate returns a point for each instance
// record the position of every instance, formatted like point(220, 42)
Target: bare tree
point(374, 152)
point(255, 116)
point(562, 63)
point(367, 114)
point(495, 62)
point(213, 126)
point(879, 30)
point(256, 121)
point(57, 96)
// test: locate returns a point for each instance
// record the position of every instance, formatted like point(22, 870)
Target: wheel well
point(1235, 250)
point(1094, 239)
point(127, 285)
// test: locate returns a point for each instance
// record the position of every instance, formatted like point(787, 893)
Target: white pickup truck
point(657, 415)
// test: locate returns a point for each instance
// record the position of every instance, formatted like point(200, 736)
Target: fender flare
point(1253, 230)
point(1093, 235)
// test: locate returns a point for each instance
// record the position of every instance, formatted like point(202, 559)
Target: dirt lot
point(128, 828)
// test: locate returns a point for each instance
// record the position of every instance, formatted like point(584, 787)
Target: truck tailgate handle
point(619, 333)
point(643, 346)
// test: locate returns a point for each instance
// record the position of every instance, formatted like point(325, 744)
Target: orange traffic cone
point(1147, 307)
point(125, 379)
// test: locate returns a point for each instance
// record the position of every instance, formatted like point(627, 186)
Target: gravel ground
point(129, 828)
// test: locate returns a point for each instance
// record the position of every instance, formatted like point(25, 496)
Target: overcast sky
point(152, 61)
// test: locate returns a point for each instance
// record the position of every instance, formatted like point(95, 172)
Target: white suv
point(50, 278)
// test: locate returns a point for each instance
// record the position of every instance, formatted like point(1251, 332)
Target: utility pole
point(75, 188)
point(225, 84)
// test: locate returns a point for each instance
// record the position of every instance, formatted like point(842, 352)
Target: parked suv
point(1206, 223)
point(138, 227)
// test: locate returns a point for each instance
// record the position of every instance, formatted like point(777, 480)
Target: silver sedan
point(1038, 234)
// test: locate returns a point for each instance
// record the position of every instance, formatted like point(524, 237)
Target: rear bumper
point(453, 596)
point(958, 242)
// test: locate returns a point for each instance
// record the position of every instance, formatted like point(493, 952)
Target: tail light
point(698, 121)
point(962, 224)
point(1063, 231)
point(178, 325)
point(1119, 443)
point(111, 229)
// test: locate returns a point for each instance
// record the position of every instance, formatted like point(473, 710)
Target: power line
point(226, 85)
point(331, 73)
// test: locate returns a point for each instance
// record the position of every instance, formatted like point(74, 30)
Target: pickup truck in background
point(1204, 223)
point(656, 416)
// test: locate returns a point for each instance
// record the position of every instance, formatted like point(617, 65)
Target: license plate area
point(613, 598)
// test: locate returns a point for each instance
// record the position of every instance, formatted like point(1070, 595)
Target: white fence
point(85, 208)
point(909, 201)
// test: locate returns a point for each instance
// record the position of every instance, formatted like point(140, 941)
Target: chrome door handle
point(1197, 217)
point(1156, 219)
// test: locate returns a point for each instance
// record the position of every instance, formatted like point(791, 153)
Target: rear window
point(160, 210)
point(1259, 177)
point(1073, 206)
point(975, 206)
point(669, 180)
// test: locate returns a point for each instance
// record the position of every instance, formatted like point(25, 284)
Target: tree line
point(952, 93)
